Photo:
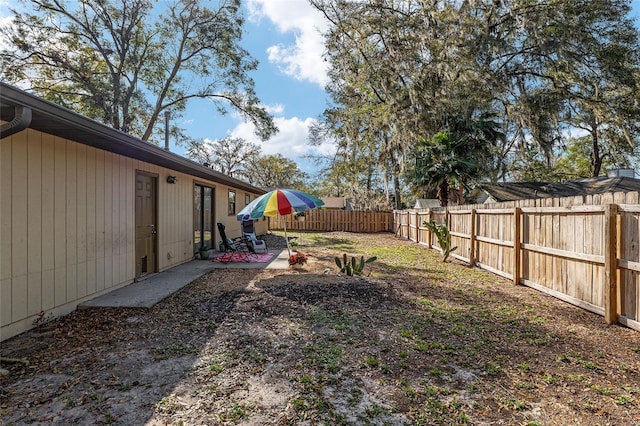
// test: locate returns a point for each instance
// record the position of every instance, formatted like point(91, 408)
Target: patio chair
point(232, 246)
point(249, 232)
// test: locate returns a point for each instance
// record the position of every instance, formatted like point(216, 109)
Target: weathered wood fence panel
point(584, 250)
point(563, 253)
point(629, 263)
point(326, 220)
point(460, 220)
point(495, 241)
point(423, 232)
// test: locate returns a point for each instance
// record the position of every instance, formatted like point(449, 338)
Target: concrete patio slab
point(152, 289)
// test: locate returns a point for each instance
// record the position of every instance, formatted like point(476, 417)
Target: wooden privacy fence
point(587, 254)
point(337, 220)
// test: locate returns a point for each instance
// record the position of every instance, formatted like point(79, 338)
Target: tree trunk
point(443, 193)
point(396, 190)
point(596, 157)
point(387, 194)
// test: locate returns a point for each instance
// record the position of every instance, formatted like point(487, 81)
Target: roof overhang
point(53, 119)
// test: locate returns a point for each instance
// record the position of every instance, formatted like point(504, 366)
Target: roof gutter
point(20, 121)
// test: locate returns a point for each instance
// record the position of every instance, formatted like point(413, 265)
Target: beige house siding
point(67, 224)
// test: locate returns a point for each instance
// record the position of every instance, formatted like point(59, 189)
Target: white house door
point(146, 229)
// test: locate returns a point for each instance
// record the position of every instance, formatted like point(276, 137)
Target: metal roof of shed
point(510, 191)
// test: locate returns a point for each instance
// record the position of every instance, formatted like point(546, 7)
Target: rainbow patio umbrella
point(279, 201)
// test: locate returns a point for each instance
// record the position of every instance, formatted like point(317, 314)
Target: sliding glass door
point(202, 216)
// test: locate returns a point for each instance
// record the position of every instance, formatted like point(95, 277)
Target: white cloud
point(277, 109)
point(292, 141)
point(302, 60)
point(5, 22)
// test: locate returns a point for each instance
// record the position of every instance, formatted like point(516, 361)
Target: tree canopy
point(241, 159)
point(123, 63)
point(401, 72)
point(276, 171)
point(229, 155)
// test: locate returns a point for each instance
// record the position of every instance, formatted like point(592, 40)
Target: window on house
point(247, 199)
point(232, 203)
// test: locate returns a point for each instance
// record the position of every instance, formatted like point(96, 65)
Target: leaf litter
point(415, 342)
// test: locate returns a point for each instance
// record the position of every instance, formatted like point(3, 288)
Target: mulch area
point(417, 342)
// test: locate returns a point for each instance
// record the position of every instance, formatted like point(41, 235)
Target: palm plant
point(442, 161)
point(456, 156)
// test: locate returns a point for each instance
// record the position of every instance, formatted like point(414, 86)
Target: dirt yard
point(416, 342)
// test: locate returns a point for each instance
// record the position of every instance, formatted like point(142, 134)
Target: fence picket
point(326, 220)
point(583, 249)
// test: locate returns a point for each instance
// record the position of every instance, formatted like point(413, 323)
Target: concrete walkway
point(153, 288)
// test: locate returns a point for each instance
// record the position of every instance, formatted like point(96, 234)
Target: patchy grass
point(418, 342)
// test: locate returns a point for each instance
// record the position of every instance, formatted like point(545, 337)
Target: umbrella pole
point(284, 223)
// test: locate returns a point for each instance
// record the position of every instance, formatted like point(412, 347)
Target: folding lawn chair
point(232, 246)
point(249, 232)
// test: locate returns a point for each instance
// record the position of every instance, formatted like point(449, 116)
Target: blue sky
point(284, 36)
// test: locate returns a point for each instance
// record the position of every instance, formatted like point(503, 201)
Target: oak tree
point(124, 62)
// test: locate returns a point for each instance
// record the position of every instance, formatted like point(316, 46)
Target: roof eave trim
point(167, 159)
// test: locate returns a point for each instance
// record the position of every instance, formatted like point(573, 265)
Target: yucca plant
point(353, 266)
point(443, 235)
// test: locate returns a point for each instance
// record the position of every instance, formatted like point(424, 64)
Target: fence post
point(610, 264)
point(619, 276)
point(472, 240)
point(407, 225)
point(429, 230)
point(447, 218)
point(517, 238)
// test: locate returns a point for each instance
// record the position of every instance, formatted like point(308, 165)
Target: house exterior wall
point(67, 224)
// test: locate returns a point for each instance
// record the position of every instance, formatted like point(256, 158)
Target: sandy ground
point(414, 343)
